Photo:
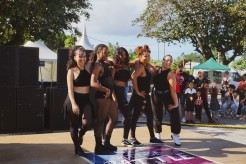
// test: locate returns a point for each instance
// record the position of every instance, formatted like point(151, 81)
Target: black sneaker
point(211, 121)
point(155, 141)
point(135, 142)
point(126, 143)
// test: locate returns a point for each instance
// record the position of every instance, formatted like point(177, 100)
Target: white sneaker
point(183, 120)
point(158, 136)
point(176, 140)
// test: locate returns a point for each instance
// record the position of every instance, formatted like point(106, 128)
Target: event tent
point(48, 61)
point(84, 41)
point(212, 70)
point(211, 64)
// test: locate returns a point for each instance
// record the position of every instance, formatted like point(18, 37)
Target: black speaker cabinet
point(28, 66)
point(62, 58)
point(30, 109)
point(7, 109)
point(19, 66)
point(8, 66)
point(54, 118)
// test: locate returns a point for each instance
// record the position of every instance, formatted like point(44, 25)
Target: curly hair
point(93, 55)
point(140, 49)
point(118, 63)
point(72, 52)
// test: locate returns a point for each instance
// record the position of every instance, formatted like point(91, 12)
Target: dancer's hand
point(107, 93)
point(142, 94)
point(172, 106)
point(75, 109)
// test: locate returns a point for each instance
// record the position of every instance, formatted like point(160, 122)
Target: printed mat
point(150, 154)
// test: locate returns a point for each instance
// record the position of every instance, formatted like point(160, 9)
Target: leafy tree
point(70, 41)
point(240, 64)
point(39, 19)
point(209, 25)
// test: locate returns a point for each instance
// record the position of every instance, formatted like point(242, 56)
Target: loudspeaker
point(54, 117)
point(7, 109)
point(30, 109)
point(28, 66)
point(8, 66)
point(19, 66)
point(62, 58)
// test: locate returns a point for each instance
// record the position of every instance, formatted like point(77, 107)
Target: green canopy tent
point(212, 65)
point(212, 69)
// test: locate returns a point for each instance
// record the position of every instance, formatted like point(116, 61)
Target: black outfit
point(198, 108)
point(81, 100)
point(141, 104)
point(203, 90)
point(105, 80)
point(123, 75)
point(190, 104)
point(161, 95)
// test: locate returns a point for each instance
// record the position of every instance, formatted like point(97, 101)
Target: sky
point(111, 22)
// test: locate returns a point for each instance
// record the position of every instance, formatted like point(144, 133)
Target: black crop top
point(83, 80)
point(144, 82)
point(122, 75)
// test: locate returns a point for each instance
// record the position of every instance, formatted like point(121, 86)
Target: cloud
point(114, 17)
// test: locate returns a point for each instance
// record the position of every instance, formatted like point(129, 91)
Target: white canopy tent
point(48, 61)
point(84, 41)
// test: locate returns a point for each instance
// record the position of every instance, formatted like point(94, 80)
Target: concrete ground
point(222, 145)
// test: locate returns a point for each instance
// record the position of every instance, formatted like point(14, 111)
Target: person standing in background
point(181, 85)
point(202, 83)
point(241, 91)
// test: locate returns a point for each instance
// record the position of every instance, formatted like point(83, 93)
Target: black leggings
point(124, 108)
point(158, 100)
point(85, 119)
point(141, 104)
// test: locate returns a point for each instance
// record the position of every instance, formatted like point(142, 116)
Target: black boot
point(79, 151)
point(107, 143)
point(100, 149)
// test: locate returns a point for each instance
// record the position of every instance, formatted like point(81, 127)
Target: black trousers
point(124, 109)
point(205, 105)
point(158, 100)
point(141, 105)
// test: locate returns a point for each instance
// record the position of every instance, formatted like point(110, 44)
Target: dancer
point(106, 102)
point(164, 92)
point(121, 74)
point(140, 99)
point(77, 105)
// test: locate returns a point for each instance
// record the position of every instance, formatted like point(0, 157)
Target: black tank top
point(122, 75)
point(161, 82)
point(144, 82)
point(83, 79)
point(106, 79)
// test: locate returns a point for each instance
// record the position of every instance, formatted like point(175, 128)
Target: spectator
point(201, 83)
point(190, 95)
point(241, 91)
point(230, 100)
